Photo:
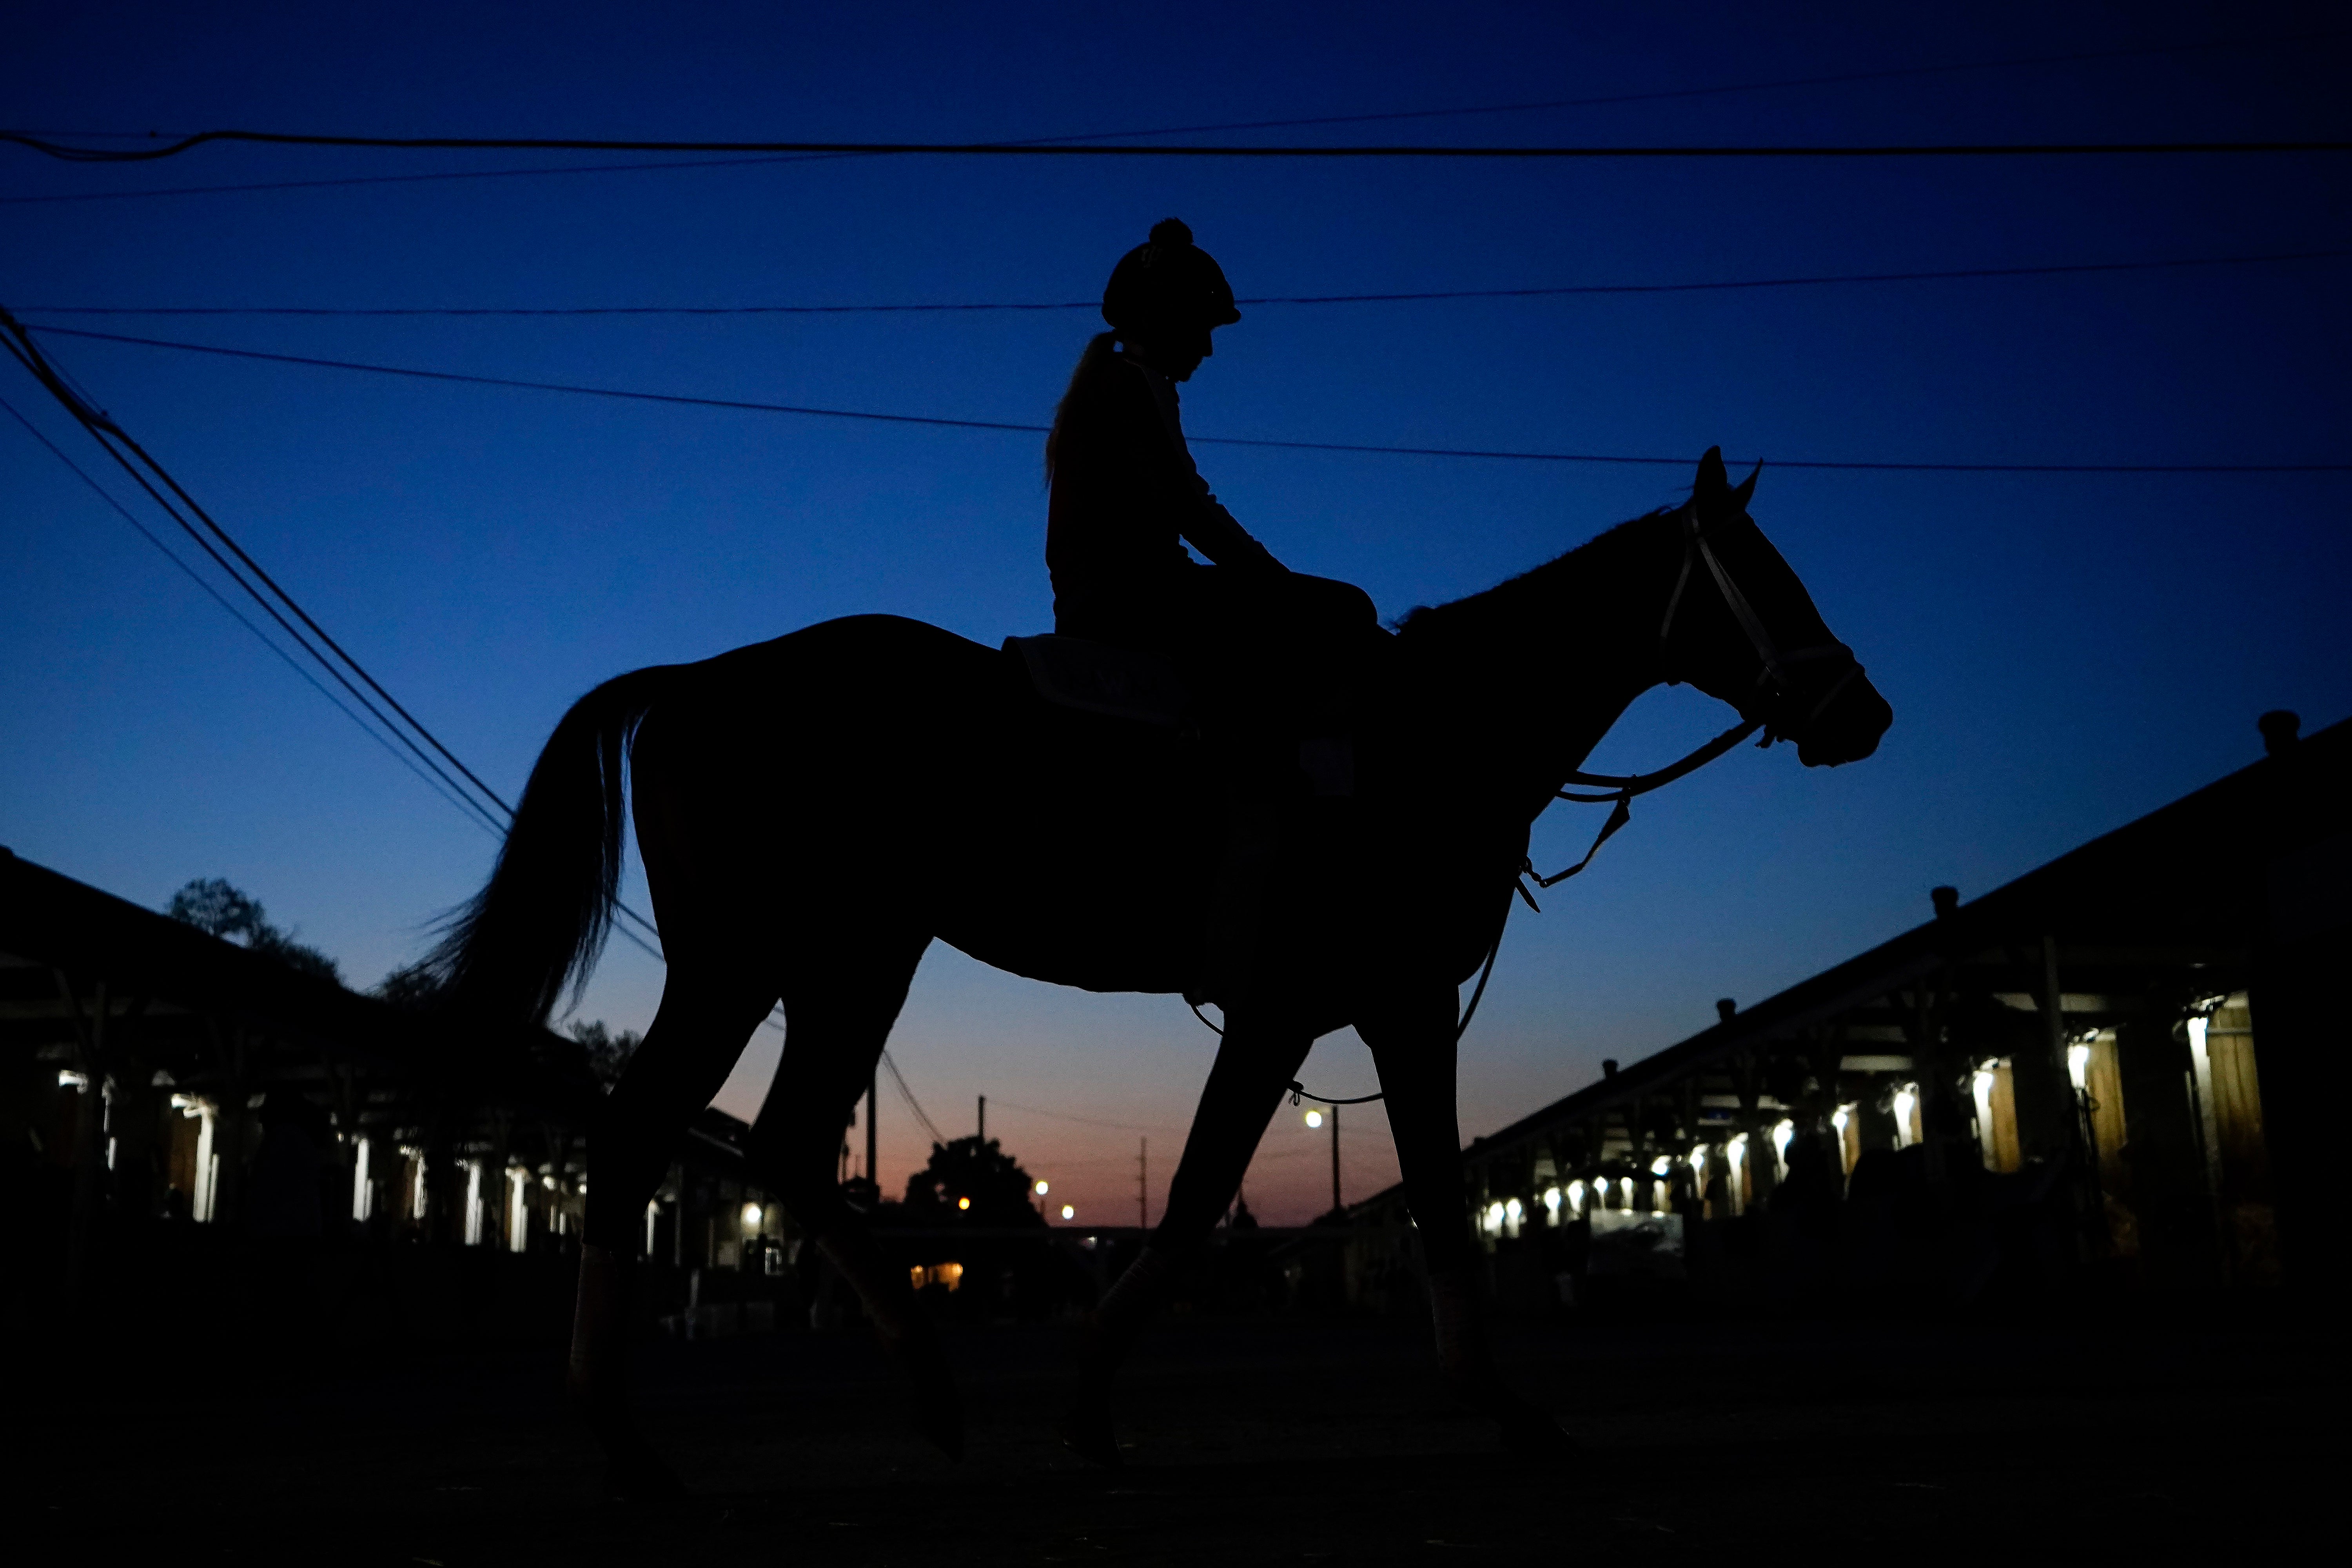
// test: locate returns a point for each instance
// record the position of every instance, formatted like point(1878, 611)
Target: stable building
point(2117, 1070)
point(205, 1141)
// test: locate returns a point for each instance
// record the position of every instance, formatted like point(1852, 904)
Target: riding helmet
point(1168, 282)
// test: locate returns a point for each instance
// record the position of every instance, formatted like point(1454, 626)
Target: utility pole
point(873, 1091)
point(1143, 1184)
point(983, 1122)
point(1335, 1160)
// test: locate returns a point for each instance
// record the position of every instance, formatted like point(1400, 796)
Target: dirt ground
point(1251, 1441)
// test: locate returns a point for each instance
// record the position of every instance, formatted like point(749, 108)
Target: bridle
point(1621, 788)
point(1772, 675)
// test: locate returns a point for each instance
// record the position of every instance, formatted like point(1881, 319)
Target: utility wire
point(749, 406)
point(1082, 1120)
point(73, 155)
point(342, 313)
point(1613, 99)
point(907, 1094)
point(104, 429)
point(246, 622)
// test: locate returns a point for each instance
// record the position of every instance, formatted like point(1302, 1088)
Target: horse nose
point(1850, 731)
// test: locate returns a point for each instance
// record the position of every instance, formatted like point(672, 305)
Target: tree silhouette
point(211, 905)
point(967, 1168)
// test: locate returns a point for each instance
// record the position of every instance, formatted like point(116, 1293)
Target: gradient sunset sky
point(2063, 652)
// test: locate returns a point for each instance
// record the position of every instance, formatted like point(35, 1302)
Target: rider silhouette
point(1265, 647)
point(1268, 653)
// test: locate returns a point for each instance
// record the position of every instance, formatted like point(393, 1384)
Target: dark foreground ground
point(1268, 1441)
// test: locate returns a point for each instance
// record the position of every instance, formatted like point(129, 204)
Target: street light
point(1314, 1119)
point(1069, 1213)
point(1043, 1189)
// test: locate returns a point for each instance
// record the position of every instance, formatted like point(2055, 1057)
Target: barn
point(2116, 1073)
point(206, 1144)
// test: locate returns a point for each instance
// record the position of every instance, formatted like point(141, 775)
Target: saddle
point(1104, 679)
point(1144, 688)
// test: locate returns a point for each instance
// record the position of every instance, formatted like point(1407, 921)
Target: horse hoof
point(1086, 1431)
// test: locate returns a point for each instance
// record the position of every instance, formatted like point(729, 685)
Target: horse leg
point(1255, 1064)
point(698, 1032)
point(839, 1010)
point(1412, 1039)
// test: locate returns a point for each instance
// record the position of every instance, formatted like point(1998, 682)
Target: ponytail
point(1083, 382)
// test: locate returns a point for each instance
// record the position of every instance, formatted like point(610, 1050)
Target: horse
point(813, 812)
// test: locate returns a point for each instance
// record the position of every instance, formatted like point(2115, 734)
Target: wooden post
point(873, 1092)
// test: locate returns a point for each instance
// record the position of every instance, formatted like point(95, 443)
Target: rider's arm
point(1203, 521)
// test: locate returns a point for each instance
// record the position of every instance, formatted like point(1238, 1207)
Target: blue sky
point(2063, 653)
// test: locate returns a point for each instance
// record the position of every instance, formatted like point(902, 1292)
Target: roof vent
point(1609, 1067)
point(1946, 901)
point(1724, 1008)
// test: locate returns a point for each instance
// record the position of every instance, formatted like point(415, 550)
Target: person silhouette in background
point(1268, 653)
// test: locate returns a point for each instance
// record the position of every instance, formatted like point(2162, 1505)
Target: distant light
point(1314, 1119)
point(69, 1078)
point(1069, 1213)
point(2078, 1062)
point(750, 1216)
point(963, 1202)
point(1043, 1189)
point(1661, 1164)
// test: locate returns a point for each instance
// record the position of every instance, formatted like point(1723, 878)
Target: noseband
point(1773, 664)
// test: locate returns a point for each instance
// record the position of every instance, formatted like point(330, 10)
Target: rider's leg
point(696, 1033)
point(1255, 1064)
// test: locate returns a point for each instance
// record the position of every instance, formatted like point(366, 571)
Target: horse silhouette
point(814, 811)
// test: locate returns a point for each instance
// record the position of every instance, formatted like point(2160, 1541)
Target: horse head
point(1740, 627)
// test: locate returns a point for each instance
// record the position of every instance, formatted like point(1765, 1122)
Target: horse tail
point(543, 916)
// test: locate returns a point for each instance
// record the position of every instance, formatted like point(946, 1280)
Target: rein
point(1621, 788)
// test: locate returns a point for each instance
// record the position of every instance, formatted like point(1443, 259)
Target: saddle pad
point(1098, 678)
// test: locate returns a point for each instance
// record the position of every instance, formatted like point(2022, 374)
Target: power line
point(1609, 100)
point(1082, 1120)
point(245, 621)
point(73, 155)
point(1543, 291)
point(104, 429)
point(1530, 292)
point(749, 406)
point(908, 1094)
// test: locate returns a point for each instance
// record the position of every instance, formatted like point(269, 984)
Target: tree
point(211, 905)
point(411, 988)
point(608, 1052)
point(1000, 1190)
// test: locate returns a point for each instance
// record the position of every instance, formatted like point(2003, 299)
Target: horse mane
point(1507, 604)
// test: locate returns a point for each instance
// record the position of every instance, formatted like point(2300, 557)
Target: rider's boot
point(597, 1379)
point(1105, 1339)
point(1471, 1377)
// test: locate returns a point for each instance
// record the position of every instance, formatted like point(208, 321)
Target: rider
point(1269, 645)
point(1269, 652)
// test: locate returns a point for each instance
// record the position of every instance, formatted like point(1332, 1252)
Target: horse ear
point(1747, 487)
point(1711, 480)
